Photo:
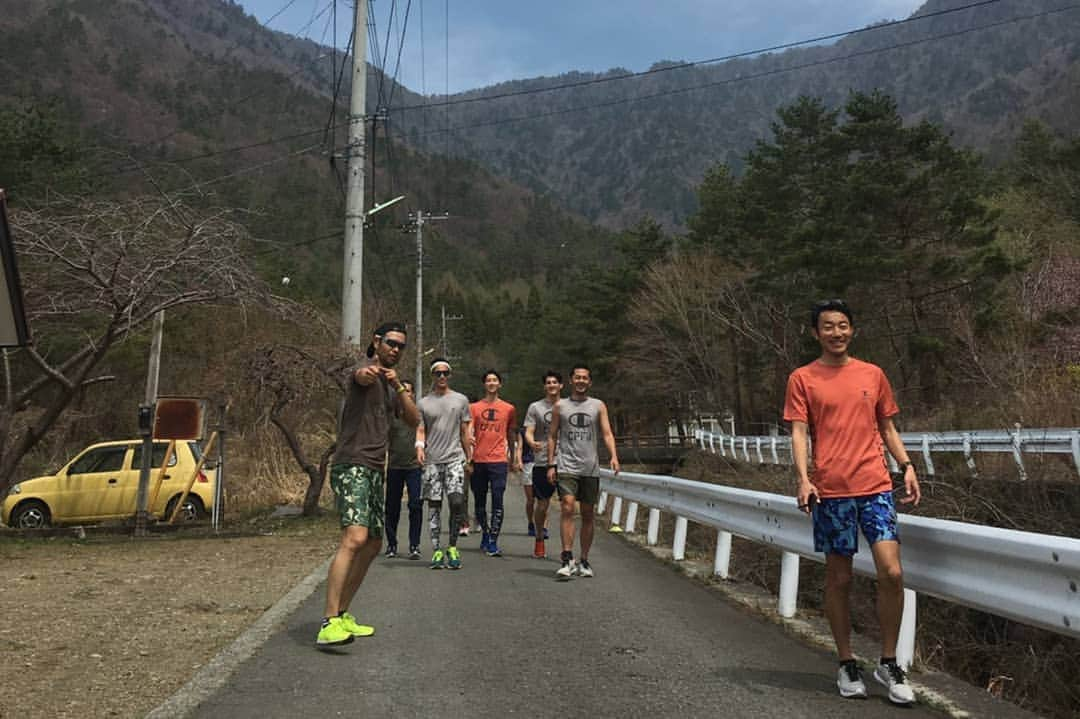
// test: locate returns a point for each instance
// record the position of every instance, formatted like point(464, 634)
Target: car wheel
point(32, 514)
point(191, 510)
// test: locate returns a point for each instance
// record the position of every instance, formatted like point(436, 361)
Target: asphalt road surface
point(501, 637)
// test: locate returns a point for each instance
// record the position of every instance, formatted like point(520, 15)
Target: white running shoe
point(850, 682)
point(566, 571)
point(584, 569)
point(892, 677)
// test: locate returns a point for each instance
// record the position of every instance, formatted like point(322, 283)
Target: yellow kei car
point(101, 483)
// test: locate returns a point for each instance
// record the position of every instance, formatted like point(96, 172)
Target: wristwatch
point(904, 466)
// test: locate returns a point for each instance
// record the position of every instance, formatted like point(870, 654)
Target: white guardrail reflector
point(1028, 577)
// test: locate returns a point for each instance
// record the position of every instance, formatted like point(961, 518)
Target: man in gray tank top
point(576, 425)
point(537, 425)
point(443, 448)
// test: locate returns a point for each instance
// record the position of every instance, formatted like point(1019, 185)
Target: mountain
point(620, 158)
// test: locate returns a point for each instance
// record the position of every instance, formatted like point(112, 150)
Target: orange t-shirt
point(842, 406)
point(490, 420)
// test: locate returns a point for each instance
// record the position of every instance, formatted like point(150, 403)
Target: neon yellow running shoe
point(333, 633)
point(437, 559)
point(455, 558)
point(357, 630)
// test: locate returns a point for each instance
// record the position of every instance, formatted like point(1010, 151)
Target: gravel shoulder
point(112, 626)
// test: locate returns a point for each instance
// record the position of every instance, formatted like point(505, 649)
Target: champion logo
point(580, 420)
point(490, 415)
point(547, 417)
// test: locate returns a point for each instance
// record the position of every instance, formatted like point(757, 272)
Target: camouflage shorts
point(358, 494)
point(442, 480)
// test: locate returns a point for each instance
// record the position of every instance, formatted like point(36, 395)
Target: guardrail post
point(1017, 450)
point(616, 511)
point(927, 459)
point(1075, 444)
point(775, 458)
point(967, 456)
point(746, 449)
point(678, 548)
point(789, 584)
point(905, 643)
point(712, 446)
point(723, 554)
point(760, 456)
point(654, 527)
point(602, 504)
point(631, 517)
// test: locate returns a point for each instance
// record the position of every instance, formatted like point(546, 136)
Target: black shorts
point(542, 488)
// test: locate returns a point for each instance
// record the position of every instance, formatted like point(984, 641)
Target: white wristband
point(420, 443)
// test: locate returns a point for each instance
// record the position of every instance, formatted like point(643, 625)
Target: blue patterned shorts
point(837, 522)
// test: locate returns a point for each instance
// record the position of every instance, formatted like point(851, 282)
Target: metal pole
point(678, 545)
point(352, 296)
point(219, 484)
point(789, 584)
point(419, 304)
point(146, 424)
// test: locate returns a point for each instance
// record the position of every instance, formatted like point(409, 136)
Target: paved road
point(502, 638)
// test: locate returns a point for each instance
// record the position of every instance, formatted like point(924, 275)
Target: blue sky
point(491, 41)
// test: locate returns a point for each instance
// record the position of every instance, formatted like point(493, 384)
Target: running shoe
point(532, 529)
point(538, 551)
point(391, 551)
point(850, 682)
point(348, 622)
point(485, 542)
point(493, 549)
point(464, 531)
point(437, 559)
point(584, 569)
point(892, 677)
point(455, 558)
point(333, 633)
point(414, 552)
point(566, 571)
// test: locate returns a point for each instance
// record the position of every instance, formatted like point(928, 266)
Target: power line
point(695, 63)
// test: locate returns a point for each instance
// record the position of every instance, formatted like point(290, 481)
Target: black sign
point(13, 329)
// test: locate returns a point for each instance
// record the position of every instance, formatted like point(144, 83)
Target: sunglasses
point(394, 344)
point(440, 373)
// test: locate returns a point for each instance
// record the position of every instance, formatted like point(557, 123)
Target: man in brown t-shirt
point(373, 395)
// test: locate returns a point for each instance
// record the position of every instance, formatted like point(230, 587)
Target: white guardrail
point(777, 450)
point(1028, 577)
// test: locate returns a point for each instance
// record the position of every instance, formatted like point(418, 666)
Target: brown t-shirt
point(364, 431)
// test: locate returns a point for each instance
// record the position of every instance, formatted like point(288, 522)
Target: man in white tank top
point(576, 425)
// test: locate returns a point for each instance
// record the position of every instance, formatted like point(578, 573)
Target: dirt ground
point(111, 626)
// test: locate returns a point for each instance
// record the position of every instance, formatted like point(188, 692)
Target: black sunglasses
point(440, 373)
point(394, 344)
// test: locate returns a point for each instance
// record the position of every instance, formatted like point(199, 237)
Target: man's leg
point(458, 513)
point(890, 593)
point(837, 607)
point(358, 570)
point(588, 523)
point(395, 480)
point(479, 482)
point(354, 546)
point(497, 473)
point(566, 521)
point(416, 507)
point(530, 504)
point(540, 519)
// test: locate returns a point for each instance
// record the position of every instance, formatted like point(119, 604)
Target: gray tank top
point(538, 417)
point(579, 431)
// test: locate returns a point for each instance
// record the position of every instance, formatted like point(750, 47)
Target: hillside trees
point(93, 273)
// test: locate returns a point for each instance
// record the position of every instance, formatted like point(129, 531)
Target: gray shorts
point(441, 480)
point(585, 489)
point(526, 473)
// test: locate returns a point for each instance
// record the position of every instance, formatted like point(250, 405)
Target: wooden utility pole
point(352, 296)
point(146, 425)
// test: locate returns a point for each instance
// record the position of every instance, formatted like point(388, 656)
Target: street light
point(383, 206)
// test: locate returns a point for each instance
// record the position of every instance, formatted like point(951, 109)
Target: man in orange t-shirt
point(494, 424)
point(846, 407)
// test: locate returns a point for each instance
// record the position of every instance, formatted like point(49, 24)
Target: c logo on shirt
point(547, 417)
point(580, 420)
point(489, 415)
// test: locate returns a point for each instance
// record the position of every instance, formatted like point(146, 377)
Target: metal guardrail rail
point(1028, 577)
point(1018, 442)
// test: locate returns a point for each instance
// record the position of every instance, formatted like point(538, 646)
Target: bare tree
point(93, 272)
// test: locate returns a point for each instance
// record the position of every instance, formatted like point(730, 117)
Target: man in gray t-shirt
point(576, 425)
point(443, 448)
point(537, 425)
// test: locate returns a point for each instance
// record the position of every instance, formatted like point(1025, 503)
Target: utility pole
point(352, 290)
point(421, 218)
point(146, 425)
point(445, 318)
